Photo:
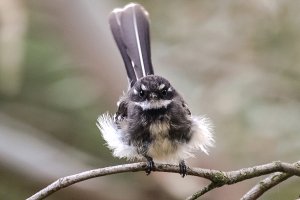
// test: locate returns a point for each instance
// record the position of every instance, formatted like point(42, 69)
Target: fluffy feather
point(114, 138)
point(201, 139)
point(163, 150)
point(202, 136)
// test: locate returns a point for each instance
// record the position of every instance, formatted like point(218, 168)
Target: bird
point(152, 121)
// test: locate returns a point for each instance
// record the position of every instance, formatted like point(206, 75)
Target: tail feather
point(130, 28)
point(115, 26)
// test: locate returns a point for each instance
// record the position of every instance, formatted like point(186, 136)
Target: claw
point(150, 165)
point(182, 168)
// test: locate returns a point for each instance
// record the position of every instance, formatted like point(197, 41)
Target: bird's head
point(152, 92)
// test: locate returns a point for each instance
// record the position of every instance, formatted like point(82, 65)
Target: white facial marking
point(143, 87)
point(161, 86)
point(170, 89)
point(147, 105)
point(135, 91)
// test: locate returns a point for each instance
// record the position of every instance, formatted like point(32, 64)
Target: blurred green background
point(236, 62)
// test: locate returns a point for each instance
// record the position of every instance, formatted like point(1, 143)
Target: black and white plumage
point(153, 121)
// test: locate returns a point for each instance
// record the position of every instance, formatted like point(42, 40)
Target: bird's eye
point(142, 93)
point(164, 92)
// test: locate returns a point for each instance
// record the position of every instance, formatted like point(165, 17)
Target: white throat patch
point(147, 105)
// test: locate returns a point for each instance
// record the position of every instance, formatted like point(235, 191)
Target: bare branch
point(269, 182)
point(277, 166)
point(218, 178)
point(134, 167)
point(264, 185)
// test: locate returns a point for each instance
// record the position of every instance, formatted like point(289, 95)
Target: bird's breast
point(159, 128)
point(162, 145)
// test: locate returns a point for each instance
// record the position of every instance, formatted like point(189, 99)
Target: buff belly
point(161, 148)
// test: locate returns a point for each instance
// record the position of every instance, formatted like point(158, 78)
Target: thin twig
point(265, 185)
point(133, 167)
point(204, 190)
point(269, 182)
point(218, 178)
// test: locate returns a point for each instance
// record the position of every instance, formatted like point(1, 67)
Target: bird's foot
point(150, 165)
point(182, 168)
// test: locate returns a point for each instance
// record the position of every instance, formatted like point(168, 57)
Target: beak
point(153, 96)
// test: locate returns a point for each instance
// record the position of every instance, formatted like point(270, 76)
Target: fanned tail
point(130, 28)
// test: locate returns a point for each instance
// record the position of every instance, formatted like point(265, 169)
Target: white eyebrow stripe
point(161, 86)
point(143, 87)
